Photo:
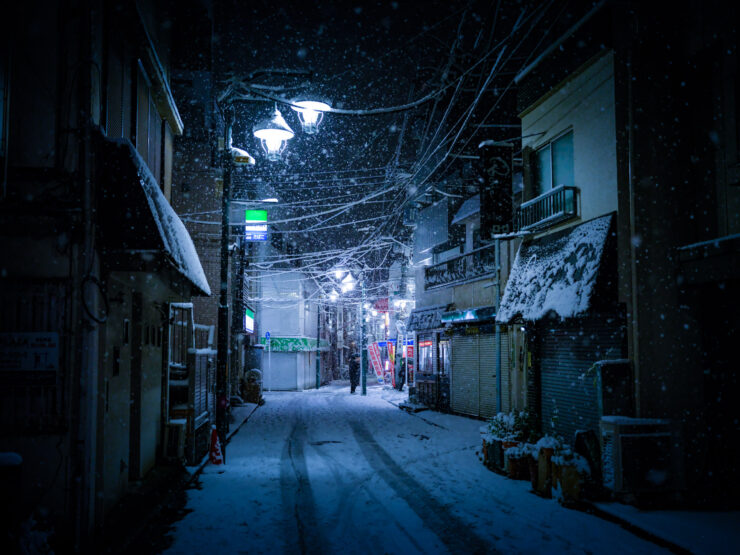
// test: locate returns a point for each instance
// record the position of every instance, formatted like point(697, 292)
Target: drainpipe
point(499, 396)
point(633, 250)
point(83, 386)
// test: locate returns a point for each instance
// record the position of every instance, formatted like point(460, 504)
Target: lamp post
point(223, 297)
point(363, 358)
point(318, 345)
point(273, 134)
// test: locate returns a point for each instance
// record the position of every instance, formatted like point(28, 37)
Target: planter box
point(533, 472)
point(493, 455)
point(568, 482)
point(518, 467)
point(544, 473)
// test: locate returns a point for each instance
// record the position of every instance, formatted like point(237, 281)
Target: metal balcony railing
point(556, 205)
point(466, 267)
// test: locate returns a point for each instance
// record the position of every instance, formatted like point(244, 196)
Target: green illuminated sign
point(256, 217)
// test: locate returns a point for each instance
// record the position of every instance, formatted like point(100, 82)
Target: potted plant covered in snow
point(569, 472)
point(505, 430)
point(517, 461)
point(545, 448)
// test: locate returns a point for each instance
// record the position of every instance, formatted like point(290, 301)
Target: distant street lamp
point(274, 134)
point(348, 283)
point(311, 113)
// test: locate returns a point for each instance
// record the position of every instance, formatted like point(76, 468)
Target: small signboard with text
point(29, 351)
point(255, 228)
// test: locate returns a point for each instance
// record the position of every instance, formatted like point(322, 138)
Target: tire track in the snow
point(452, 531)
point(296, 491)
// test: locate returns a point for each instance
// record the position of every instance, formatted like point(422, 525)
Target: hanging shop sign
point(255, 228)
point(373, 351)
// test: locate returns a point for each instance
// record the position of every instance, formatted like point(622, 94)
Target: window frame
point(537, 187)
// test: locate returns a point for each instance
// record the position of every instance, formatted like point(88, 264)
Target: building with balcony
point(629, 238)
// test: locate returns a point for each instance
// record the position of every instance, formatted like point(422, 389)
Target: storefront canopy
point(427, 318)
point(556, 273)
point(138, 220)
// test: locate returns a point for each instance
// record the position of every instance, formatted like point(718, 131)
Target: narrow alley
point(323, 471)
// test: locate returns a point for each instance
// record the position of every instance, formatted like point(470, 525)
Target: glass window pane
point(562, 161)
point(542, 170)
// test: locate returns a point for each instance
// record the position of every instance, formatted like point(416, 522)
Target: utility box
point(641, 455)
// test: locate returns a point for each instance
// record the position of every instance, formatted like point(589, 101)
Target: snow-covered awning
point(556, 273)
point(470, 207)
point(426, 318)
point(138, 218)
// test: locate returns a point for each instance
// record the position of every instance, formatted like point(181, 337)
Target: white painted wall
point(584, 103)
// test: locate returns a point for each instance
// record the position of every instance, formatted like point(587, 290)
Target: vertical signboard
point(373, 351)
point(255, 228)
point(495, 171)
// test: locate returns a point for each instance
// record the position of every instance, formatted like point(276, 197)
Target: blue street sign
point(267, 335)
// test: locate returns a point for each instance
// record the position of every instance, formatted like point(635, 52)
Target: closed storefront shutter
point(487, 376)
point(569, 392)
point(464, 380)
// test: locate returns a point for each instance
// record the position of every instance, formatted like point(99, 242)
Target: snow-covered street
point(329, 472)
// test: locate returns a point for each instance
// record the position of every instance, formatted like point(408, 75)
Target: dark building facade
point(94, 259)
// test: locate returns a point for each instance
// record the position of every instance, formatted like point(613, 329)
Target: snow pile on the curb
point(555, 274)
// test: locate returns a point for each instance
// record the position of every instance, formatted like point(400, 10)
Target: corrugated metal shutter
point(569, 394)
point(464, 379)
point(487, 376)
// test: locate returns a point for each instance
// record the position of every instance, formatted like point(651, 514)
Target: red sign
point(373, 351)
point(427, 343)
point(381, 305)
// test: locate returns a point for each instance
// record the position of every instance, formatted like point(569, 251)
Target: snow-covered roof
point(470, 207)
point(176, 240)
point(555, 273)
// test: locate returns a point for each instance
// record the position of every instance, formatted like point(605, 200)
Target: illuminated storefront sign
point(256, 225)
point(248, 320)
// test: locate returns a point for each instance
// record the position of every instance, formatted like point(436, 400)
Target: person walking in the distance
point(354, 371)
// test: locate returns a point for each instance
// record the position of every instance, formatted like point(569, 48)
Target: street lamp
point(348, 283)
point(274, 134)
point(311, 113)
point(231, 157)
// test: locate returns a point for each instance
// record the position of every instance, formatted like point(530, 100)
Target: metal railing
point(556, 205)
point(471, 265)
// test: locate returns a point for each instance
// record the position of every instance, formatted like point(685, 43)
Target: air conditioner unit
point(174, 439)
point(641, 455)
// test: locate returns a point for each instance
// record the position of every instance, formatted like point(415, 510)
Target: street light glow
point(311, 113)
point(274, 135)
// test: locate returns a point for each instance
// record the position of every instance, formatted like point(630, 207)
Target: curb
point(204, 461)
point(633, 528)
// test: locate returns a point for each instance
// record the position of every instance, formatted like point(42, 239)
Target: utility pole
point(318, 345)
point(363, 358)
point(222, 366)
